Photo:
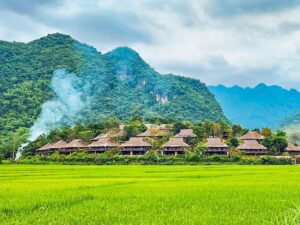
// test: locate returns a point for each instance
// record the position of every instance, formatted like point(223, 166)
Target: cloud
point(228, 8)
point(27, 7)
point(219, 41)
point(103, 25)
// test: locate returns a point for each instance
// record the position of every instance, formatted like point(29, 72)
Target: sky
point(229, 42)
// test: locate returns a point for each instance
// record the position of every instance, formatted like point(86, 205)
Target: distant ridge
point(256, 107)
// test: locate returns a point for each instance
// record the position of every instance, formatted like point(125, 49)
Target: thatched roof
point(111, 134)
point(153, 132)
point(45, 147)
point(76, 143)
point(103, 142)
point(100, 136)
point(251, 145)
point(136, 142)
point(175, 142)
point(252, 135)
point(185, 133)
point(58, 145)
point(291, 147)
point(161, 127)
point(147, 133)
point(215, 143)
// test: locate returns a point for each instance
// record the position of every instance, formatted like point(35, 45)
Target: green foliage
point(120, 85)
point(134, 127)
point(237, 130)
point(80, 157)
point(201, 149)
point(233, 142)
point(276, 143)
point(199, 131)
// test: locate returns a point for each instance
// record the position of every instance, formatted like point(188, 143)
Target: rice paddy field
point(58, 194)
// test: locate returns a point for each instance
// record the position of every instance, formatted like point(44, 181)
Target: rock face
point(116, 84)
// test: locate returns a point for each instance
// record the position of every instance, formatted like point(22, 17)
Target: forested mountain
point(290, 124)
point(116, 84)
point(257, 107)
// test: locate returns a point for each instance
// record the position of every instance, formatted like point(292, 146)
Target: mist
point(62, 110)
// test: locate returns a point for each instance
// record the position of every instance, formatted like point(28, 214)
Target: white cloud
point(236, 43)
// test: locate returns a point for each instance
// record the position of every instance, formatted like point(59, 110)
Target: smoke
point(63, 110)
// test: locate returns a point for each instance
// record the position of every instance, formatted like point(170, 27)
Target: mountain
point(256, 107)
point(91, 86)
point(290, 124)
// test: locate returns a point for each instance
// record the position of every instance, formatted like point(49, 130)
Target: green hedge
point(83, 158)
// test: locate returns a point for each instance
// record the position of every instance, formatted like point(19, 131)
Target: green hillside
point(291, 124)
point(116, 84)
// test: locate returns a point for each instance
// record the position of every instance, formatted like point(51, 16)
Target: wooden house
point(101, 145)
point(175, 146)
point(111, 134)
point(101, 136)
point(216, 146)
point(252, 135)
point(153, 133)
point(252, 147)
point(50, 148)
point(292, 149)
point(186, 134)
point(44, 150)
point(135, 146)
point(73, 146)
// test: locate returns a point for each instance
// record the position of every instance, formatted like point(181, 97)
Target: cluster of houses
point(177, 145)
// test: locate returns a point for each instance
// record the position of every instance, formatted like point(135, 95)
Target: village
point(250, 144)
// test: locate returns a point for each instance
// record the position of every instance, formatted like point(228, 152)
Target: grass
point(57, 194)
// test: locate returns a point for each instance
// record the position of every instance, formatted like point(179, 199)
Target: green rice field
point(58, 194)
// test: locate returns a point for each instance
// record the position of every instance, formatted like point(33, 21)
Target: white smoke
point(62, 110)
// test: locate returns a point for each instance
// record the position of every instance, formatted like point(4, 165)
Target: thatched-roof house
point(58, 145)
point(186, 133)
point(252, 147)
point(102, 145)
point(216, 146)
point(100, 136)
point(74, 145)
point(135, 146)
point(111, 134)
point(292, 149)
point(153, 133)
point(252, 135)
point(175, 146)
point(50, 148)
point(45, 149)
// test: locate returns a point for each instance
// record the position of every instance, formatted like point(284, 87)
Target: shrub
point(270, 160)
point(1, 157)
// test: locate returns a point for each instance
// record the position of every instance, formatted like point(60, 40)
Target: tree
point(86, 135)
point(199, 131)
point(225, 129)
point(134, 127)
point(266, 132)
point(236, 130)
point(201, 149)
point(209, 128)
point(181, 125)
point(233, 142)
point(279, 143)
point(275, 144)
point(280, 133)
